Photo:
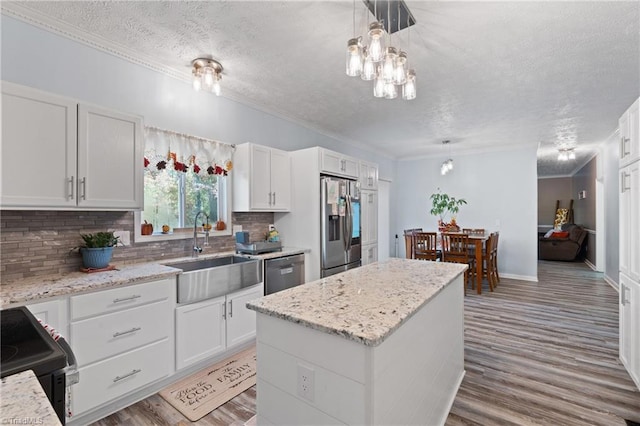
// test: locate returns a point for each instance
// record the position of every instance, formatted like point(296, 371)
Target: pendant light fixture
point(207, 74)
point(387, 67)
point(447, 165)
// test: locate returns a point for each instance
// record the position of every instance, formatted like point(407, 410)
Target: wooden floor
point(535, 353)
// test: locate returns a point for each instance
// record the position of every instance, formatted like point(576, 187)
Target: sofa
point(567, 244)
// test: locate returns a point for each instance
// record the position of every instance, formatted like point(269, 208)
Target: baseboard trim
point(519, 277)
point(611, 282)
point(590, 265)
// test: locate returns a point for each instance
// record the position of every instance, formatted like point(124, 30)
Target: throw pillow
point(563, 234)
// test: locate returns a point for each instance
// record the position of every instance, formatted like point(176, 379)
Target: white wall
point(610, 161)
point(500, 189)
point(34, 57)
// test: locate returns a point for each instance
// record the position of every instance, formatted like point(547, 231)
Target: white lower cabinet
point(206, 328)
point(123, 339)
point(54, 313)
point(369, 254)
point(116, 376)
point(200, 331)
point(630, 327)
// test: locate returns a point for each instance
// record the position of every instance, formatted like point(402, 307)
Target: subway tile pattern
point(40, 243)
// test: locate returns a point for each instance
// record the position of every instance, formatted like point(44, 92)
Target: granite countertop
point(35, 289)
point(25, 402)
point(365, 304)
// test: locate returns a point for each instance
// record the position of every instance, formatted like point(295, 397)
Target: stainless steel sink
point(208, 278)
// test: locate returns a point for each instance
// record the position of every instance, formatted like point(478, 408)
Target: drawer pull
point(126, 299)
point(122, 333)
point(132, 373)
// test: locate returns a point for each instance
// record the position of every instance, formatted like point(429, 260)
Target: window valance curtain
point(166, 149)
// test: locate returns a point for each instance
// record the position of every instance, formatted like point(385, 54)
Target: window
point(182, 178)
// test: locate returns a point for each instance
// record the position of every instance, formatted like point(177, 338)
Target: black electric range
point(26, 345)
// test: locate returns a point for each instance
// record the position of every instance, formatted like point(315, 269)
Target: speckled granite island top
point(365, 304)
point(24, 402)
point(39, 288)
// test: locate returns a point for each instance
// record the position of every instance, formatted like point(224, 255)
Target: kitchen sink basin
point(208, 278)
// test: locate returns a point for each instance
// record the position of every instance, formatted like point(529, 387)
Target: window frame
point(225, 203)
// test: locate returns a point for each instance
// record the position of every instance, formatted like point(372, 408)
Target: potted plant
point(98, 249)
point(443, 204)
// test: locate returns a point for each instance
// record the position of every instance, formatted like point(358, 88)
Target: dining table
point(478, 240)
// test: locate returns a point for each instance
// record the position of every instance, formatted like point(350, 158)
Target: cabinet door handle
point(123, 333)
point(83, 182)
point(274, 198)
point(230, 308)
point(623, 147)
point(224, 311)
point(622, 295)
point(269, 198)
point(623, 182)
point(131, 373)
point(71, 181)
point(127, 299)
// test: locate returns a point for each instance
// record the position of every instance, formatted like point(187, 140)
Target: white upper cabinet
point(338, 164)
point(261, 179)
point(629, 126)
point(39, 134)
point(369, 216)
point(59, 154)
point(110, 159)
point(629, 222)
point(368, 175)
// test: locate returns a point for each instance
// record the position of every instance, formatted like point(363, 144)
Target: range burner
point(7, 353)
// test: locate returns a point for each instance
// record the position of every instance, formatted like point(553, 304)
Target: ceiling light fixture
point(386, 66)
point(447, 165)
point(566, 154)
point(207, 74)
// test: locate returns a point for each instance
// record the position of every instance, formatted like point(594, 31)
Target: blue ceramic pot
point(96, 258)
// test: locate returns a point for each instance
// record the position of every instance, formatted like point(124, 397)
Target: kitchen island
point(376, 345)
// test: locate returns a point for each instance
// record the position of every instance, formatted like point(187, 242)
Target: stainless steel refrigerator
point(340, 225)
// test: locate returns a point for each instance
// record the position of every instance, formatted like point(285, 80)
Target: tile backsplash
point(34, 243)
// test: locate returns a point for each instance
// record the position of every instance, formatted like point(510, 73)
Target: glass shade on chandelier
point(368, 66)
point(376, 41)
point(409, 87)
point(207, 74)
point(446, 167)
point(354, 57)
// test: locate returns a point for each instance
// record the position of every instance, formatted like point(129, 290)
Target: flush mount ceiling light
point(566, 154)
point(388, 67)
point(207, 74)
point(447, 165)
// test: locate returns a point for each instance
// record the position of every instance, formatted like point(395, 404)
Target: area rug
point(202, 392)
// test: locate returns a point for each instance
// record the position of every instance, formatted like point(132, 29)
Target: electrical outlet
point(125, 238)
point(306, 382)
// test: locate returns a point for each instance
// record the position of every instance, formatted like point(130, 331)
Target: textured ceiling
point(490, 75)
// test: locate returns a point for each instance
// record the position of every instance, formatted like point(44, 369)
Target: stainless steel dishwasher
point(283, 272)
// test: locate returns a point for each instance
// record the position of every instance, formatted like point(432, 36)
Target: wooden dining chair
point(488, 270)
point(496, 237)
point(408, 241)
point(425, 245)
point(455, 248)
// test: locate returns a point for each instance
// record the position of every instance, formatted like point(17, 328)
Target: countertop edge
point(345, 333)
point(26, 401)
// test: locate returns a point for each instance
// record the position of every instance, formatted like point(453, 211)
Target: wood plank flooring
point(542, 353)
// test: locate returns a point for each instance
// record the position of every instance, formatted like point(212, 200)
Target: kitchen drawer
point(107, 335)
point(106, 380)
point(120, 298)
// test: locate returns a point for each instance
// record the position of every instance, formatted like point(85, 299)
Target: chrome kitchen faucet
point(197, 249)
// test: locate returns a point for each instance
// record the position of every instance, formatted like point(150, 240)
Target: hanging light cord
point(354, 18)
